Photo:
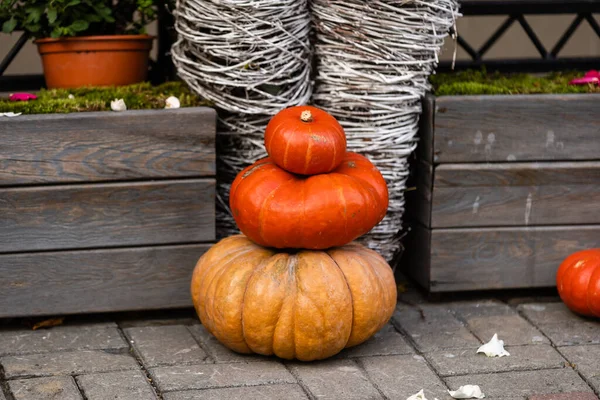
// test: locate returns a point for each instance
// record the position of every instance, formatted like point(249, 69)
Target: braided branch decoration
point(252, 59)
point(373, 60)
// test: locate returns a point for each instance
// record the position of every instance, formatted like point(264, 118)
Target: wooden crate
point(505, 188)
point(104, 211)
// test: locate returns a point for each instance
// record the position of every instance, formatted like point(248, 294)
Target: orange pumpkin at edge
point(275, 208)
point(305, 140)
point(578, 282)
point(307, 305)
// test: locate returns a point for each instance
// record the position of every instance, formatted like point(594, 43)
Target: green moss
point(136, 97)
point(474, 82)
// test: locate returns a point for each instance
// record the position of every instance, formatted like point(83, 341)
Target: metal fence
point(514, 10)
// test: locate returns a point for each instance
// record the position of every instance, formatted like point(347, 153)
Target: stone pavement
point(555, 355)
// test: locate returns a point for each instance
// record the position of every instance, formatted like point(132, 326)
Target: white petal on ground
point(118, 105)
point(10, 114)
point(494, 348)
point(418, 396)
point(172, 102)
point(71, 96)
point(467, 392)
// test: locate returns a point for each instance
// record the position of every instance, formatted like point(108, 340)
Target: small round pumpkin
point(275, 208)
point(578, 282)
point(305, 140)
point(307, 305)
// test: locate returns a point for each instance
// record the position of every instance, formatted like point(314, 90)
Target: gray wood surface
point(517, 128)
point(67, 282)
point(426, 129)
point(504, 258)
point(416, 258)
point(419, 194)
point(103, 215)
point(106, 146)
point(520, 194)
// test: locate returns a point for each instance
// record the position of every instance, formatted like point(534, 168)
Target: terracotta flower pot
point(113, 60)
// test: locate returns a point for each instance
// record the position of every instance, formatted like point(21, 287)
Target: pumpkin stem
point(306, 116)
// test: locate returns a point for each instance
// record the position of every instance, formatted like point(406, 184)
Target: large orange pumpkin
point(307, 305)
point(275, 208)
point(578, 282)
point(305, 140)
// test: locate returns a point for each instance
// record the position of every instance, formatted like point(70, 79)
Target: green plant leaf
point(72, 3)
point(56, 33)
point(9, 26)
point(33, 27)
point(34, 14)
point(93, 18)
point(52, 15)
point(79, 25)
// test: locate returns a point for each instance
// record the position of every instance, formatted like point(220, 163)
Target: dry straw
point(373, 60)
point(253, 58)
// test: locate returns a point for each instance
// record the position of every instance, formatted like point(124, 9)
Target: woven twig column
point(252, 59)
point(373, 59)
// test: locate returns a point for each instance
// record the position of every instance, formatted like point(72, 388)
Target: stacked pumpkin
point(294, 284)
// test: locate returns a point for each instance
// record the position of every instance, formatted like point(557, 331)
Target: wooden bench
point(505, 188)
point(104, 211)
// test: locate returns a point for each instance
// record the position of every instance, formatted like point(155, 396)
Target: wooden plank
point(107, 146)
point(68, 282)
point(517, 128)
point(418, 195)
point(504, 258)
point(470, 195)
point(416, 259)
point(104, 215)
point(518, 174)
point(425, 146)
point(420, 181)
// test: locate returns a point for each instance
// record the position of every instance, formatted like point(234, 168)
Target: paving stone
point(165, 345)
point(486, 318)
point(543, 313)
point(586, 360)
point(159, 318)
point(66, 363)
point(399, 377)
point(122, 385)
point(563, 327)
point(515, 301)
point(385, 342)
point(89, 336)
point(54, 388)
point(467, 361)
point(434, 328)
point(284, 391)
point(572, 333)
point(564, 396)
point(523, 383)
point(217, 351)
point(335, 379)
point(2, 394)
point(220, 375)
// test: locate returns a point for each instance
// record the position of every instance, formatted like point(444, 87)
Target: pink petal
point(22, 97)
point(585, 80)
point(592, 74)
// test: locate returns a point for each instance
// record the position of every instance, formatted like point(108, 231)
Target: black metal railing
point(516, 10)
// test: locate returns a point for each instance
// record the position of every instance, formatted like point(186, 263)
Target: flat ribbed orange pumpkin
point(275, 208)
point(578, 282)
point(307, 305)
point(305, 140)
